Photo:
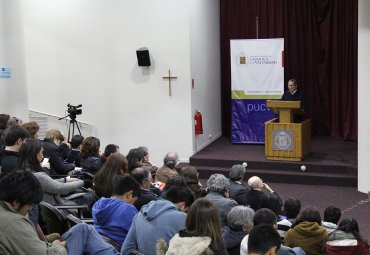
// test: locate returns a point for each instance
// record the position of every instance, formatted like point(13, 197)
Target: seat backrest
point(55, 220)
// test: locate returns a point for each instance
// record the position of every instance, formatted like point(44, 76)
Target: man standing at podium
point(293, 94)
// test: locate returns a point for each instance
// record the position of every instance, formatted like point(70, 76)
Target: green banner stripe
point(239, 94)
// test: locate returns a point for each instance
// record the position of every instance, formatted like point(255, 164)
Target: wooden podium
point(285, 140)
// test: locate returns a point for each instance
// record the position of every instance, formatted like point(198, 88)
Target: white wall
point(13, 91)
point(206, 68)
point(84, 52)
point(363, 96)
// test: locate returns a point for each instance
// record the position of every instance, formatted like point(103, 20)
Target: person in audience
point(19, 190)
point(115, 166)
point(240, 223)
point(292, 207)
point(201, 236)
point(144, 178)
point(346, 240)
point(265, 216)
point(218, 193)
point(3, 120)
point(113, 216)
point(134, 158)
point(168, 169)
point(74, 153)
point(109, 150)
point(331, 218)
point(90, 157)
point(238, 191)
point(30, 157)
point(191, 174)
point(307, 232)
point(143, 153)
point(13, 138)
point(52, 141)
point(33, 128)
point(264, 240)
point(160, 219)
point(255, 195)
point(14, 121)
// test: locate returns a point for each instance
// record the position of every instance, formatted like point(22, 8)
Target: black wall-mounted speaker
point(143, 58)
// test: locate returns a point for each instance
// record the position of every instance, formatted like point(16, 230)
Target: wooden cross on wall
point(169, 77)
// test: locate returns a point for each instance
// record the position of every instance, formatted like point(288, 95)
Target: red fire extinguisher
point(198, 123)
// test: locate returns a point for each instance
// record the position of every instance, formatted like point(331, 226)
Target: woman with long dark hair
point(346, 240)
point(30, 157)
point(202, 234)
point(115, 166)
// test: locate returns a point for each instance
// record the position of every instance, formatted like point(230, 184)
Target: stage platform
point(332, 162)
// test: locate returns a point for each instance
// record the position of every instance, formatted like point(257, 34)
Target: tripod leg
point(78, 128)
point(69, 130)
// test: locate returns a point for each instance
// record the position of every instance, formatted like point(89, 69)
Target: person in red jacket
point(346, 240)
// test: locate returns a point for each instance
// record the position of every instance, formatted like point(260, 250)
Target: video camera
point(74, 110)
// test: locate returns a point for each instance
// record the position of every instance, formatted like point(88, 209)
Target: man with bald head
point(168, 169)
point(256, 195)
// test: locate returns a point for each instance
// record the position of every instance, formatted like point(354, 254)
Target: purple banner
point(248, 117)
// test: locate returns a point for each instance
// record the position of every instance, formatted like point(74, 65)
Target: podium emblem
point(283, 140)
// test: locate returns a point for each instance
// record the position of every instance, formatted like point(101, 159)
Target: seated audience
point(18, 191)
point(13, 138)
point(143, 153)
point(307, 232)
point(109, 150)
point(191, 174)
point(115, 166)
point(346, 240)
point(144, 178)
point(52, 141)
point(331, 218)
point(201, 236)
point(3, 120)
point(73, 154)
point(255, 195)
point(113, 216)
point(218, 193)
point(90, 157)
point(240, 223)
point(14, 121)
point(30, 157)
point(160, 219)
point(168, 169)
point(292, 207)
point(265, 216)
point(134, 158)
point(264, 240)
point(33, 128)
point(238, 191)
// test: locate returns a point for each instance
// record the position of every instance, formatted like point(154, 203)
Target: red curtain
point(320, 52)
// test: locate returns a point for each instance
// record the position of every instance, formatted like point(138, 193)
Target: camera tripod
point(73, 122)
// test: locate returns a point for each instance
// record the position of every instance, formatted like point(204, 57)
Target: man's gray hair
point(171, 159)
point(218, 182)
point(237, 172)
point(254, 181)
point(239, 216)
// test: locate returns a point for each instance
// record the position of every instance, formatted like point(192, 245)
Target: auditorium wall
point(13, 84)
point(84, 52)
point(363, 96)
